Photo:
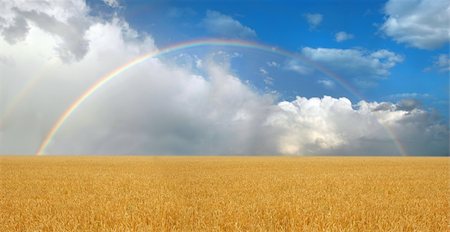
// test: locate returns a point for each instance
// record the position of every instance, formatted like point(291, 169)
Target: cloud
point(268, 80)
point(112, 3)
point(273, 64)
point(400, 96)
point(421, 23)
point(40, 83)
point(408, 104)
point(296, 66)
point(53, 18)
point(355, 64)
point(73, 45)
point(16, 31)
point(183, 114)
point(157, 107)
point(263, 71)
point(224, 25)
point(177, 12)
point(313, 20)
point(342, 36)
point(326, 83)
point(333, 126)
point(442, 63)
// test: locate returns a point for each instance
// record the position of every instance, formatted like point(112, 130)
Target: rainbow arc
point(102, 81)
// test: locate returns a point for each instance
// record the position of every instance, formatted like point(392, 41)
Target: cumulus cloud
point(53, 18)
point(16, 31)
point(342, 36)
point(224, 25)
point(334, 126)
point(421, 23)
point(40, 83)
point(355, 64)
point(158, 107)
point(73, 44)
point(313, 20)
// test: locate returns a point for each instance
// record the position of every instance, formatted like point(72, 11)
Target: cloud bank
point(158, 107)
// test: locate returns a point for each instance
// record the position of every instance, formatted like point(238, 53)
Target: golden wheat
point(223, 194)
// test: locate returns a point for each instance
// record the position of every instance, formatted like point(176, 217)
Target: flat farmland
point(82, 193)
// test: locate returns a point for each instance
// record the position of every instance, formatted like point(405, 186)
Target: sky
point(224, 77)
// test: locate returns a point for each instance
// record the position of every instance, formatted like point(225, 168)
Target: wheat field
point(224, 194)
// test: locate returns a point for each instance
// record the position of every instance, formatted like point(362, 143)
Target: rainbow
point(24, 92)
point(185, 45)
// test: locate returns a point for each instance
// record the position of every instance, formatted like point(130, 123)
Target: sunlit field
point(224, 193)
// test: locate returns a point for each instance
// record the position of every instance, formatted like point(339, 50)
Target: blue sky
point(284, 24)
point(393, 55)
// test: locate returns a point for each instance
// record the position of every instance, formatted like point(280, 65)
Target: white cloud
point(333, 126)
point(442, 63)
point(298, 67)
point(273, 64)
point(175, 112)
point(160, 108)
point(73, 44)
point(198, 62)
point(263, 71)
point(358, 65)
point(268, 80)
point(342, 36)
point(53, 18)
point(421, 23)
point(112, 3)
point(326, 83)
point(313, 20)
point(224, 25)
point(40, 83)
point(408, 95)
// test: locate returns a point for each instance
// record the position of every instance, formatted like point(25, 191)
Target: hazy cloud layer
point(158, 107)
point(423, 24)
